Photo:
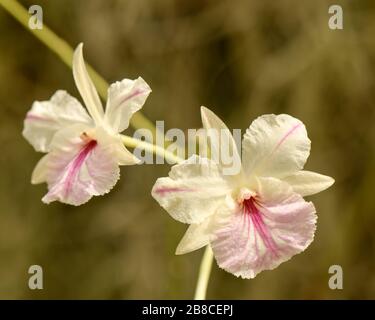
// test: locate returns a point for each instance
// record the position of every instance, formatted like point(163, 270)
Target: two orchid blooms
point(253, 220)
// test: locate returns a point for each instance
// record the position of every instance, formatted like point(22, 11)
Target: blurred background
point(240, 58)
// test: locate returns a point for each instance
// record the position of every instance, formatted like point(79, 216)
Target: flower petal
point(264, 231)
point(222, 143)
point(46, 117)
point(115, 142)
point(275, 146)
point(39, 174)
point(124, 156)
point(81, 164)
point(192, 191)
point(124, 99)
point(195, 237)
point(85, 86)
point(307, 183)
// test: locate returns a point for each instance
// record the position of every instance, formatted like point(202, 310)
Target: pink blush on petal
point(251, 212)
point(163, 191)
point(130, 96)
point(291, 131)
point(33, 117)
point(76, 166)
point(67, 185)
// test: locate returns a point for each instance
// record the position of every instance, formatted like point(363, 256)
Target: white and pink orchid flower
point(84, 150)
point(256, 219)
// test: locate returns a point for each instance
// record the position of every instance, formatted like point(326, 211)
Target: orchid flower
point(84, 149)
point(253, 220)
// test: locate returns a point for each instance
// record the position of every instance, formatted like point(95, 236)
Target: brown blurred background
point(240, 58)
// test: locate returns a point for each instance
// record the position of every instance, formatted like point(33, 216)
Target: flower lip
point(77, 164)
point(251, 211)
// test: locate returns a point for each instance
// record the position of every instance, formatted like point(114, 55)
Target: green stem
point(65, 52)
point(136, 143)
point(204, 274)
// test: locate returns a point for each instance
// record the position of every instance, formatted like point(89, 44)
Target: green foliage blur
point(241, 58)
